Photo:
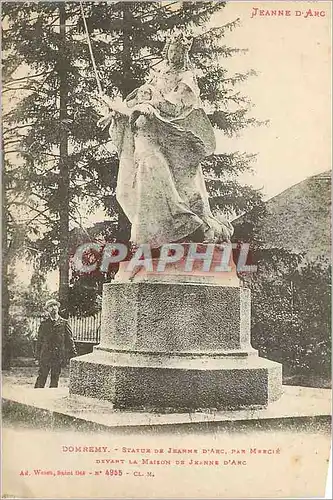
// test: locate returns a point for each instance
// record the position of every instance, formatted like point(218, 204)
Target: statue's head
point(176, 50)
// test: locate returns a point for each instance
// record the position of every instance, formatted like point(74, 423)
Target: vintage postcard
point(166, 243)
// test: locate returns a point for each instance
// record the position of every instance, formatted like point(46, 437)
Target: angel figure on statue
point(162, 133)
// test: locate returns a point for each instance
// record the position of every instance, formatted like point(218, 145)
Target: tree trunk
point(6, 337)
point(64, 175)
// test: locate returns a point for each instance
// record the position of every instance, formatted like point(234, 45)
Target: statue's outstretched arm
point(111, 108)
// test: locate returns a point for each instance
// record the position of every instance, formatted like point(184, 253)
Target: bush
point(21, 340)
point(291, 318)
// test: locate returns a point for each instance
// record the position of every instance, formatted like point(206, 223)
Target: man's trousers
point(44, 369)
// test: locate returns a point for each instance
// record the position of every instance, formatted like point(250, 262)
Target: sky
point(291, 55)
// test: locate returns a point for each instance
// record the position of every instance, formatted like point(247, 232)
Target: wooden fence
point(84, 329)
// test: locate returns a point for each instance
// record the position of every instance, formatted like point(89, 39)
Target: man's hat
point(51, 302)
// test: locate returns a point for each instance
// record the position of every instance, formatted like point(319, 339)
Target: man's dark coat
point(55, 344)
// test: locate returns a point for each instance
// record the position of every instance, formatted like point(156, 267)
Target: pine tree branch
point(54, 21)
point(28, 77)
point(10, 169)
point(38, 195)
point(40, 212)
point(18, 127)
point(160, 8)
point(218, 30)
point(149, 57)
point(13, 141)
point(42, 171)
point(27, 88)
point(12, 201)
point(12, 151)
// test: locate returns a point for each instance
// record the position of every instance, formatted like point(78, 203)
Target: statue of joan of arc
point(162, 134)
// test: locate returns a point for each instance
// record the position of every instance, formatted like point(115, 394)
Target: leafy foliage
point(291, 311)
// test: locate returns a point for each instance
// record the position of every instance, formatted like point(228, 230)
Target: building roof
point(299, 218)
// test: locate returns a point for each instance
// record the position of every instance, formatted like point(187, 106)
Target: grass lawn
point(26, 376)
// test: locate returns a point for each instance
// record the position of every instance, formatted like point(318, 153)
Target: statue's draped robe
point(160, 183)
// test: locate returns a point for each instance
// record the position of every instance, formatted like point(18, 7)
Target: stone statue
point(162, 133)
point(172, 338)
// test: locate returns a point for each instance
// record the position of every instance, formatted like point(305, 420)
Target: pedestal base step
point(153, 383)
point(56, 409)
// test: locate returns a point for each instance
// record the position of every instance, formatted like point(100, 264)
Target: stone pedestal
point(176, 346)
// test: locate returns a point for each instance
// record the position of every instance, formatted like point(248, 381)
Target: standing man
point(55, 345)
